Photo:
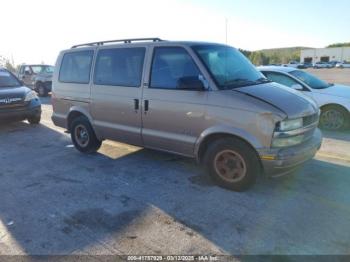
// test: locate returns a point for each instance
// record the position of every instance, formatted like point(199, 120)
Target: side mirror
point(297, 87)
point(27, 73)
point(190, 83)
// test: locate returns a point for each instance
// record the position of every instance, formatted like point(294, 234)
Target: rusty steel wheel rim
point(81, 135)
point(230, 166)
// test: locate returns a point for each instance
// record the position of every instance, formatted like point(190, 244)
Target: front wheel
point(34, 120)
point(334, 118)
point(83, 136)
point(232, 164)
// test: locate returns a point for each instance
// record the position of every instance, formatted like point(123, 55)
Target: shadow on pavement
point(345, 135)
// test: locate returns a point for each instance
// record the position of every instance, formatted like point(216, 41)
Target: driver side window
point(169, 65)
point(281, 79)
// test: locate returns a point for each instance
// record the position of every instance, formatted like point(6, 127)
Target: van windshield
point(41, 69)
point(229, 67)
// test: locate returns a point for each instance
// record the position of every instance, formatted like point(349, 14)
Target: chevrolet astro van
point(196, 99)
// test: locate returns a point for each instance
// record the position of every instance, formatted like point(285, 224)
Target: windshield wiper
point(240, 82)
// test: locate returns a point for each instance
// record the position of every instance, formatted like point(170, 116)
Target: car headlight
point(288, 125)
point(30, 96)
point(287, 141)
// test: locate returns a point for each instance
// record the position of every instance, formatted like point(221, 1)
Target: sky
point(35, 31)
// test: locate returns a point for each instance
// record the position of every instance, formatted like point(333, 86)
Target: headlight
point(287, 141)
point(30, 96)
point(292, 124)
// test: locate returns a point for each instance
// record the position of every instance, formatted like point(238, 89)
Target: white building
point(325, 54)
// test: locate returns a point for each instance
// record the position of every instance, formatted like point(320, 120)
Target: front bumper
point(21, 112)
point(285, 160)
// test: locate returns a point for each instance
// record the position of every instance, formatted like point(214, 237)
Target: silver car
point(195, 99)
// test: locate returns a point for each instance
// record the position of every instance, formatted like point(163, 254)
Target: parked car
point(318, 65)
point(195, 99)
point(333, 99)
point(294, 64)
point(38, 77)
point(333, 63)
point(307, 65)
point(17, 102)
point(343, 65)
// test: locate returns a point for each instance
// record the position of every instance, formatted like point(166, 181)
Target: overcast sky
point(35, 31)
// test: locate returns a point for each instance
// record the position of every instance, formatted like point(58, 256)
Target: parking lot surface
point(333, 75)
point(129, 200)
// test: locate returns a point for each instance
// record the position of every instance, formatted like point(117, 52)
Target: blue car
point(17, 102)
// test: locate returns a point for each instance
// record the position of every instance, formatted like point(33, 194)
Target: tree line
point(277, 56)
point(8, 64)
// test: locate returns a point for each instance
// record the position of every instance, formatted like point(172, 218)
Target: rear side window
point(281, 79)
point(169, 65)
point(119, 67)
point(76, 67)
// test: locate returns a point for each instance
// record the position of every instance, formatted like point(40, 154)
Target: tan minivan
point(196, 99)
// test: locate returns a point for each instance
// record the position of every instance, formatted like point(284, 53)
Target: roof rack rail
point(126, 41)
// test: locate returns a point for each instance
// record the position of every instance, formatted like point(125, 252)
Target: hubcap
point(81, 135)
point(230, 166)
point(332, 119)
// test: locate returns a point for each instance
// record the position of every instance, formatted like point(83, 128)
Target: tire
point(228, 154)
point(34, 120)
point(83, 136)
point(42, 91)
point(334, 118)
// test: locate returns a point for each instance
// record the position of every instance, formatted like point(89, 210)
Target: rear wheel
point(83, 136)
point(232, 164)
point(334, 118)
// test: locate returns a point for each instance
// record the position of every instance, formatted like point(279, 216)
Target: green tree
point(245, 52)
point(258, 58)
point(8, 64)
point(339, 45)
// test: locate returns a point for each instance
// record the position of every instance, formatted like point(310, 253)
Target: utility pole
point(226, 22)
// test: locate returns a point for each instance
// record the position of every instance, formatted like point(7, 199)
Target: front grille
point(13, 106)
point(309, 120)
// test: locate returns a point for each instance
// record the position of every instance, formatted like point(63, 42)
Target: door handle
point(146, 105)
point(136, 104)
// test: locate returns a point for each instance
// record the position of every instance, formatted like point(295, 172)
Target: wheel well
point(335, 105)
point(73, 115)
point(209, 139)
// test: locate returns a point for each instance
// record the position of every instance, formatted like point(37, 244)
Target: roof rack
point(126, 41)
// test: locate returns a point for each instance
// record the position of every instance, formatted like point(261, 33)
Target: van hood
point(13, 92)
point(335, 90)
point(289, 101)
